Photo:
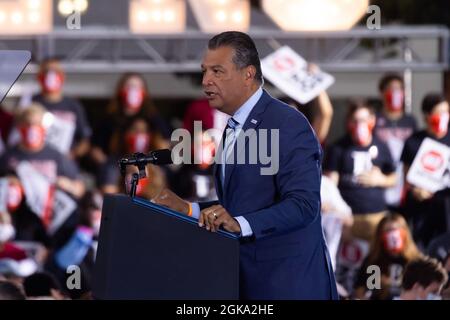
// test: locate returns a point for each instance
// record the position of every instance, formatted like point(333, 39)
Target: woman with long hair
point(391, 249)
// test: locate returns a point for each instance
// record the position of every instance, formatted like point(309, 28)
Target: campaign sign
point(288, 71)
point(429, 169)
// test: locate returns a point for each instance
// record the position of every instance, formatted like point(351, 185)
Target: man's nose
point(205, 80)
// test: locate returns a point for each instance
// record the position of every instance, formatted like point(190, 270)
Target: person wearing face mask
point(423, 279)
point(427, 211)
point(137, 135)
point(51, 78)
point(362, 168)
point(57, 168)
point(28, 226)
point(393, 127)
point(391, 249)
point(196, 182)
point(131, 99)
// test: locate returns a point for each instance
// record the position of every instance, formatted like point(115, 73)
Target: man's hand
point(214, 217)
point(169, 199)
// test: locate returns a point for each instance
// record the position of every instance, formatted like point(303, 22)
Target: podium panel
point(146, 251)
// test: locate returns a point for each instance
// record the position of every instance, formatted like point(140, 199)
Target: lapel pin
point(254, 121)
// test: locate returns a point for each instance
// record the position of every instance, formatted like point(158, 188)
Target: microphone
point(158, 157)
point(139, 159)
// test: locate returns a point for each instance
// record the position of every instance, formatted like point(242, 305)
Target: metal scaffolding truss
point(103, 50)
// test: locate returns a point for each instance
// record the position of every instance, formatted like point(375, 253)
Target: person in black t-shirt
point(362, 167)
point(58, 169)
point(393, 127)
point(427, 211)
point(51, 78)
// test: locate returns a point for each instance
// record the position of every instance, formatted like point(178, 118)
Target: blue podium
point(147, 251)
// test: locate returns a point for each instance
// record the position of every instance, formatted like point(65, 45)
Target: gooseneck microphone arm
point(141, 160)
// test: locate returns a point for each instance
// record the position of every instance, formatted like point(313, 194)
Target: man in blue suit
point(283, 254)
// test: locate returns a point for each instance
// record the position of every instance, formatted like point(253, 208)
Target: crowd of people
point(372, 214)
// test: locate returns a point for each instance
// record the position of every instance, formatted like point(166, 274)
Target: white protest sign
point(43, 200)
point(60, 133)
point(288, 71)
point(429, 169)
point(36, 186)
point(63, 206)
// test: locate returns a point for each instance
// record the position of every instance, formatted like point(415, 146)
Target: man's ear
point(250, 73)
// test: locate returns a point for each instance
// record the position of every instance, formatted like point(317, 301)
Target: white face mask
point(7, 232)
point(432, 296)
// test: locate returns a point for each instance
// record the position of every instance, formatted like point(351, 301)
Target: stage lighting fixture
point(221, 15)
point(315, 15)
point(67, 7)
point(19, 17)
point(157, 16)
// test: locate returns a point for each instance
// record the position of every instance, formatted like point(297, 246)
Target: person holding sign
point(425, 208)
point(318, 111)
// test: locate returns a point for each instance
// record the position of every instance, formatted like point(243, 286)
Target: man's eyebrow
point(213, 66)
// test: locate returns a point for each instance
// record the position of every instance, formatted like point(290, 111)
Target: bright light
point(162, 16)
point(315, 15)
point(156, 16)
point(65, 7)
point(237, 16)
point(221, 15)
point(17, 17)
point(142, 16)
point(34, 4)
point(80, 5)
point(169, 16)
point(34, 17)
point(2, 16)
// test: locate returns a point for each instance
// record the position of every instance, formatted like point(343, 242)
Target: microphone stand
point(136, 176)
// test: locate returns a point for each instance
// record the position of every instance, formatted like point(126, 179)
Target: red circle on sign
point(351, 252)
point(432, 161)
point(283, 63)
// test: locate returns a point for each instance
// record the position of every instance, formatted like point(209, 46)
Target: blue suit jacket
point(287, 257)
